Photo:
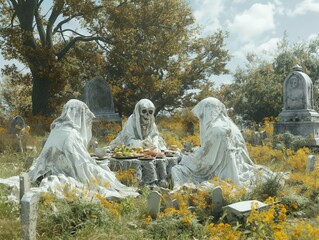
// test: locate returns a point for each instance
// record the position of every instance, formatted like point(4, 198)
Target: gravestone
point(25, 184)
point(153, 204)
point(98, 97)
point(29, 215)
point(242, 209)
point(16, 128)
point(298, 116)
point(217, 201)
point(16, 125)
point(167, 198)
point(311, 163)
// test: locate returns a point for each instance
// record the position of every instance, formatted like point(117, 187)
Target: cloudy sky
point(255, 26)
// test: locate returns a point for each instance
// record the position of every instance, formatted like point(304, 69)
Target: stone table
point(149, 172)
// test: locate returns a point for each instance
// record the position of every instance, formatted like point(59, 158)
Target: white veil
point(77, 115)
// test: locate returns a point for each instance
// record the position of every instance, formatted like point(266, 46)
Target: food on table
point(147, 157)
point(127, 152)
point(160, 155)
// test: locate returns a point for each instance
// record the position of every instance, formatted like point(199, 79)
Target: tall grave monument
point(298, 116)
point(98, 97)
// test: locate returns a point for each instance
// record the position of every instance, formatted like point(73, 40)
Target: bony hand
point(147, 142)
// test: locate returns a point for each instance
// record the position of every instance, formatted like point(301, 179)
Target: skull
point(146, 115)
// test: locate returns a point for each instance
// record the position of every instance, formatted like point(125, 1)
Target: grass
point(294, 216)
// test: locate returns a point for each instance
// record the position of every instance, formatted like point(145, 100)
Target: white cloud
point(264, 50)
point(206, 13)
point(253, 22)
point(313, 36)
point(268, 47)
point(304, 7)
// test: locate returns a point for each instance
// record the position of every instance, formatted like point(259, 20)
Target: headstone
point(255, 138)
point(298, 116)
point(176, 204)
point(167, 198)
point(25, 184)
point(16, 125)
point(217, 201)
point(153, 204)
point(98, 97)
point(311, 163)
point(242, 209)
point(29, 214)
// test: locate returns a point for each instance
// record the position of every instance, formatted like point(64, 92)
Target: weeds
point(292, 213)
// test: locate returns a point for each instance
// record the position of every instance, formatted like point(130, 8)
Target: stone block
point(153, 204)
point(29, 214)
point(25, 184)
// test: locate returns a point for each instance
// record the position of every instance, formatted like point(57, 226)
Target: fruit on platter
point(126, 151)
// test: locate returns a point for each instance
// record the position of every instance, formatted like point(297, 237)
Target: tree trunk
point(40, 96)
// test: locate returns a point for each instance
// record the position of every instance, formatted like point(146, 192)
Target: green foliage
point(75, 218)
point(9, 216)
point(174, 227)
point(288, 140)
point(295, 202)
point(15, 92)
point(265, 188)
point(256, 91)
point(53, 52)
point(65, 218)
point(158, 54)
point(146, 49)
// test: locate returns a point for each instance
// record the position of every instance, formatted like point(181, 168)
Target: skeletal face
point(146, 114)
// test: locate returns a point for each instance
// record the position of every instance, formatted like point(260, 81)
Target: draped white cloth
point(135, 134)
point(64, 158)
point(222, 153)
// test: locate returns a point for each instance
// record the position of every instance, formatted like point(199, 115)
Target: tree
point(151, 49)
point(41, 37)
point(256, 92)
point(15, 92)
point(156, 53)
point(304, 53)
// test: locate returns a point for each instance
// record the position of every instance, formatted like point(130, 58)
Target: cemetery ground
point(292, 213)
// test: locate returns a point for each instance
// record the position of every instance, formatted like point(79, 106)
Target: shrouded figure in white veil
point(222, 153)
point(140, 129)
point(65, 159)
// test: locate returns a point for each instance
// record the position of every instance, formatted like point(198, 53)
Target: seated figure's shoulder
point(219, 131)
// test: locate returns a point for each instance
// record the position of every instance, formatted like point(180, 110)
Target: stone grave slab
point(29, 215)
point(98, 97)
point(243, 208)
point(153, 204)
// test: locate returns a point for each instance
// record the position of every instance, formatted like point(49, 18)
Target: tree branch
point(59, 25)
point(56, 11)
point(40, 25)
point(73, 41)
point(70, 30)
